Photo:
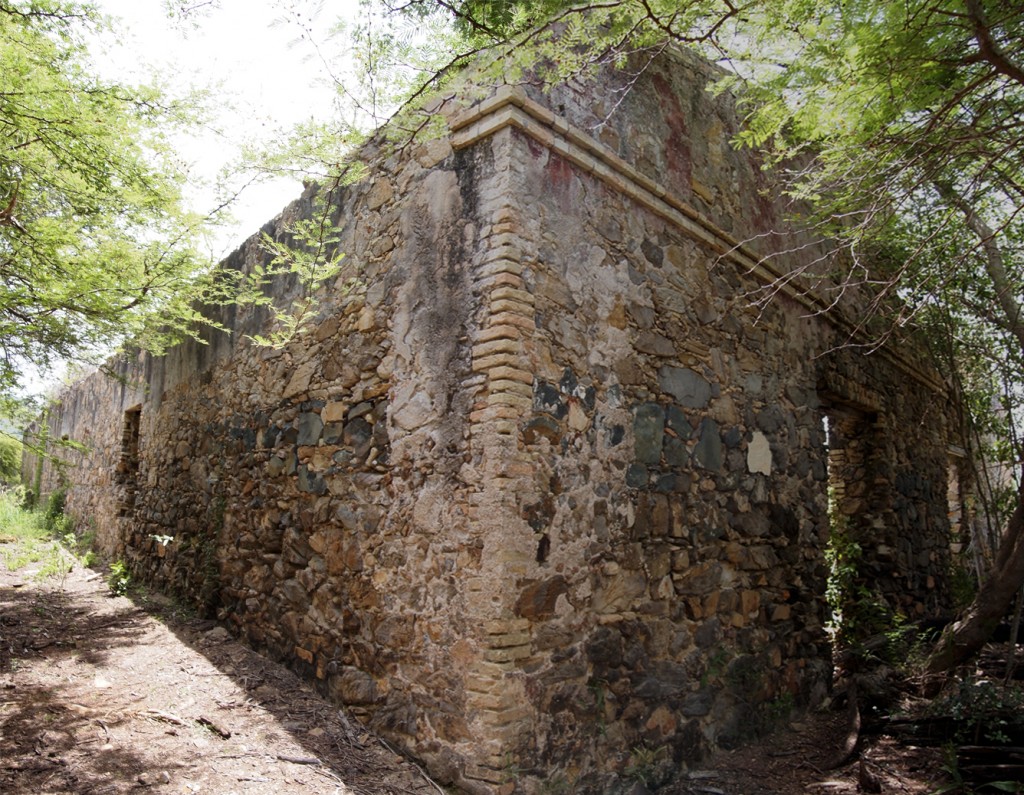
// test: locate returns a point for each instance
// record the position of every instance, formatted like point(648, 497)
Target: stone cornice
point(509, 106)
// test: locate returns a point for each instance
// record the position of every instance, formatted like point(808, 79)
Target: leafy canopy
point(95, 243)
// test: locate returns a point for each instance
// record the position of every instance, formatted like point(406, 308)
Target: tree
point(95, 243)
point(908, 118)
point(10, 459)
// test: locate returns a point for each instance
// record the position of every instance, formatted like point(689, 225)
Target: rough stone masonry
point(543, 493)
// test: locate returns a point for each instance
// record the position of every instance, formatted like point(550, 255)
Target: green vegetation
point(95, 243)
point(983, 711)
point(44, 540)
point(10, 460)
point(119, 579)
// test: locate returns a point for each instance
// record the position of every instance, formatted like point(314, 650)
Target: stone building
point(543, 493)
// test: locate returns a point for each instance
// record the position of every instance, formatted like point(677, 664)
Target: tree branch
point(989, 47)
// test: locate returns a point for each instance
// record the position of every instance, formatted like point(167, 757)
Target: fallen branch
point(166, 717)
point(218, 730)
point(298, 760)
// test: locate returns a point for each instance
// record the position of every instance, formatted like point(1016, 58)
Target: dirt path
point(102, 694)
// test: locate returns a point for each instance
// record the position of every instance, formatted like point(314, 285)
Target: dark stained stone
point(676, 454)
point(352, 686)
point(708, 452)
point(708, 633)
point(332, 432)
point(769, 420)
point(548, 398)
point(569, 381)
point(542, 426)
point(686, 386)
point(643, 316)
point(654, 343)
point(701, 580)
point(665, 483)
point(360, 410)
point(751, 523)
point(678, 422)
point(357, 432)
point(604, 648)
point(537, 600)
point(649, 432)
point(271, 435)
point(689, 746)
point(310, 427)
point(697, 704)
point(653, 252)
point(310, 482)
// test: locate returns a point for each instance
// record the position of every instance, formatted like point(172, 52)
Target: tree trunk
point(964, 637)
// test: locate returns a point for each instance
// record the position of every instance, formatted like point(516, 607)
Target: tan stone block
point(299, 382)
point(522, 296)
point(662, 721)
point(781, 613)
point(509, 252)
point(505, 427)
point(511, 374)
point(523, 320)
point(333, 412)
point(486, 669)
point(508, 717)
point(481, 773)
point(486, 349)
point(515, 469)
point(491, 701)
point(494, 414)
point(501, 280)
point(578, 419)
point(494, 267)
point(509, 305)
point(510, 399)
point(502, 626)
point(379, 194)
point(367, 319)
point(304, 654)
point(511, 387)
point(509, 639)
point(497, 360)
point(505, 227)
point(482, 684)
point(505, 215)
point(750, 602)
point(494, 332)
point(504, 237)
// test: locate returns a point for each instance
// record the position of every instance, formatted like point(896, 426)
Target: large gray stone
point(708, 452)
point(687, 387)
point(310, 427)
point(648, 432)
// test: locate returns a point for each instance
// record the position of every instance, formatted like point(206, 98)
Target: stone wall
point(543, 493)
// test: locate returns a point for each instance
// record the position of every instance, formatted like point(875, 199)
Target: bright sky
point(266, 80)
point(245, 50)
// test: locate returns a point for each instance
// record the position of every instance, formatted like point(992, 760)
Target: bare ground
point(103, 694)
